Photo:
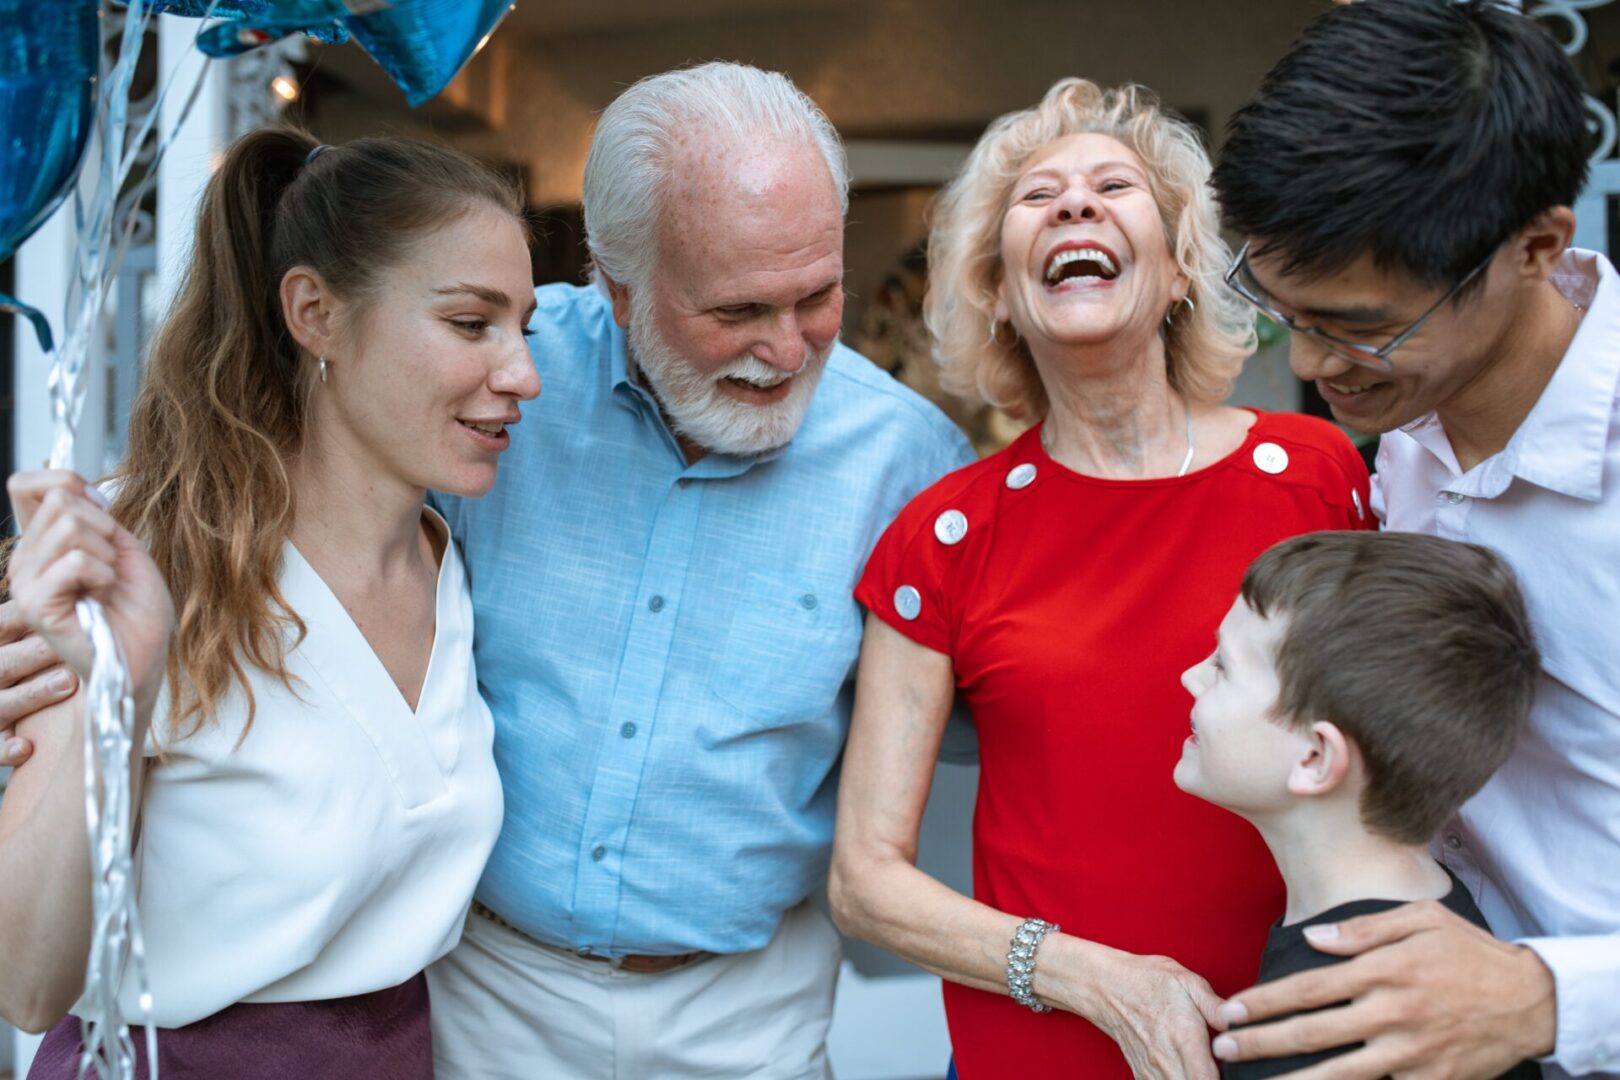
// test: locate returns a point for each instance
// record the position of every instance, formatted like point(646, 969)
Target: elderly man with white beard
point(662, 588)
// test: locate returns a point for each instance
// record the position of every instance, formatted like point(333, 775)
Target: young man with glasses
point(1404, 180)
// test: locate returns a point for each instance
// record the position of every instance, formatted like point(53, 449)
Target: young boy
point(1362, 687)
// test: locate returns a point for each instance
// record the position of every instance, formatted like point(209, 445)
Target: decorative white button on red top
point(907, 602)
point(1270, 458)
point(950, 527)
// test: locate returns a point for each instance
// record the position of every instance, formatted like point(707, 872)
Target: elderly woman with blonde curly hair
point(1059, 587)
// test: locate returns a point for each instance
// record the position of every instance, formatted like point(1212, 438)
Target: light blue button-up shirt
point(668, 649)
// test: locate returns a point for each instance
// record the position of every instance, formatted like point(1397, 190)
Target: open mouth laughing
point(1080, 264)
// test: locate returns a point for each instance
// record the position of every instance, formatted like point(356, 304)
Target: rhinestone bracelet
point(1021, 962)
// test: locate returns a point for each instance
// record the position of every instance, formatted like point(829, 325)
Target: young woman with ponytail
point(317, 793)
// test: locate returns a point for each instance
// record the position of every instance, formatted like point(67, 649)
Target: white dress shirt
point(334, 851)
point(1540, 844)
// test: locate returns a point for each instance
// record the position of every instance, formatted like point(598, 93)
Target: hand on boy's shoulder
point(1288, 952)
point(1427, 991)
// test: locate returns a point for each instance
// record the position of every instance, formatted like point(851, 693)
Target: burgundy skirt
point(379, 1036)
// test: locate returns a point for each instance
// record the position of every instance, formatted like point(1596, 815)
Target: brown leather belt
point(639, 964)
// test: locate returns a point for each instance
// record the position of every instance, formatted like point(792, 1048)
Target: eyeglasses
point(1241, 279)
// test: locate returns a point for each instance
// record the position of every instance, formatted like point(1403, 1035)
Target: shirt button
point(950, 527)
point(1021, 476)
point(808, 601)
point(1270, 458)
point(598, 853)
point(628, 729)
point(684, 482)
point(907, 602)
point(656, 604)
point(1451, 497)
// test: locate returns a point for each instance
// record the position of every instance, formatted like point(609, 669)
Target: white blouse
point(335, 851)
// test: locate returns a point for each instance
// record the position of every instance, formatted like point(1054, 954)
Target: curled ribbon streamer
point(109, 715)
point(115, 933)
point(117, 949)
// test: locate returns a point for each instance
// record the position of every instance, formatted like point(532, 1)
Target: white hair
point(631, 150)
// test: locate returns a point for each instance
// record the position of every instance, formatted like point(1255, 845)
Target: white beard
point(699, 410)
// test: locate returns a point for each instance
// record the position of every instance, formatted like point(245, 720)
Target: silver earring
point(995, 334)
point(1186, 302)
point(321, 367)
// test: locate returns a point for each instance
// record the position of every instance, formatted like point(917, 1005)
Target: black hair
point(1423, 132)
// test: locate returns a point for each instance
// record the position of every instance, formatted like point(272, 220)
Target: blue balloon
point(422, 44)
point(251, 23)
point(225, 9)
point(49, 60)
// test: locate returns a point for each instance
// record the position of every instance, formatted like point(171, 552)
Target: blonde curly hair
point(1204, 349)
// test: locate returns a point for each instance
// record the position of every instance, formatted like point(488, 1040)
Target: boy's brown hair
point(1418, 648)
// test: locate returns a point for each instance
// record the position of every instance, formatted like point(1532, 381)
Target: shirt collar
point(619, 357)
point(1562, 443)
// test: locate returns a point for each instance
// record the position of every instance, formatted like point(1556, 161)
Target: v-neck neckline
point(347, 626)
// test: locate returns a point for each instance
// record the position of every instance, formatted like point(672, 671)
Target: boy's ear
point(1325, 763)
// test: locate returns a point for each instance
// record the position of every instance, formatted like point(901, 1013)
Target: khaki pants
point(507, 1008)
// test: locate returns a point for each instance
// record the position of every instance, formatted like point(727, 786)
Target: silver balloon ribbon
point(115, 934)
point(117, 950)
point(115, 938)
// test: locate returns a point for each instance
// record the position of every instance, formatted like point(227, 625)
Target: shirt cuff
point(1586, 972)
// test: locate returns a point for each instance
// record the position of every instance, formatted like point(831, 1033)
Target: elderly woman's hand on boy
point(1156, 1010)
point(1429, 994)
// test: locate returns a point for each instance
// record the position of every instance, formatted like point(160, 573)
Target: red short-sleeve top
point(1069, 606)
